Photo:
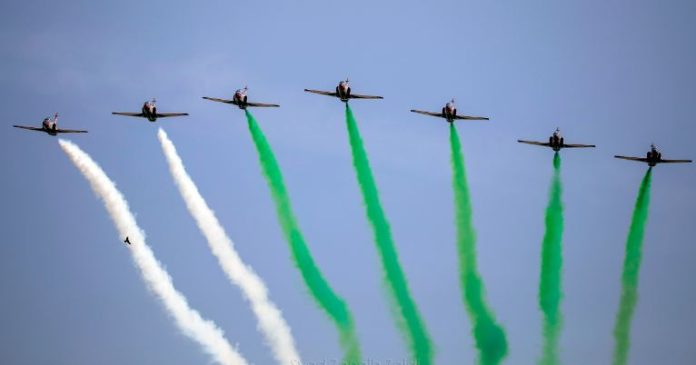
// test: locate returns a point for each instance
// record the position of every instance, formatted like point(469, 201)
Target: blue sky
point(617, 74)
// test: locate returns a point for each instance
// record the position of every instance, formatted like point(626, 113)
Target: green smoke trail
point(410, 322)
point(550, 293)
point(489, 336)
point(631, 269)
point(327, 299)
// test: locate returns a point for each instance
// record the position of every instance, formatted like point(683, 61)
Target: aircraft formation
point(556, 142)
point(343, 92)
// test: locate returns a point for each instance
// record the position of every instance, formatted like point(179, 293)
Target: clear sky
point(618, 74)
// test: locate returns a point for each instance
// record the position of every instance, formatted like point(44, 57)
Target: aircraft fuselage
point(240, 98)
point(150, 111)
point(556, 142)
point(343, 91)
point(449, 112)
point(654, 157)
point(49, 126)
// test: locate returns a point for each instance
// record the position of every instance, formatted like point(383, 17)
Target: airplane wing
point(226, 101)
point(70, 131)
point(571, 145)
point(545, 144)
point(639, 159)
point(29, 128)
point(432, 114)
point(358, 96)
point(166, 115)
point(467, 117)
point(262, 105)
point(327, 93)
point(128, 114)
point(675, 161)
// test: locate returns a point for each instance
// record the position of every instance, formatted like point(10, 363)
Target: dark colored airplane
point(240, 99)
point(149, 111)
point(652, 158)
point(50, 126)
point(449, 112)
point(343, 92)
point(556, 142)
point(127, 240)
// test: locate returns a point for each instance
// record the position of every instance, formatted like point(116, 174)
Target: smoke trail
point(327, 299)
point(414, 329)
point(489, 336)
point(189, 321)
point(631, 270)
point(550, 293)
point(270, 319)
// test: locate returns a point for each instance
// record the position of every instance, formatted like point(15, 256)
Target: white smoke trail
point(190, 322)
point(270, 319)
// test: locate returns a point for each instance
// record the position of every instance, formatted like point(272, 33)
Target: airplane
point(240, 99)
point(127, 240)
point(652, 158)
point(149, 111)
point(556, 142)
point(343, 92)
point(449, 112)
point(50, 126)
